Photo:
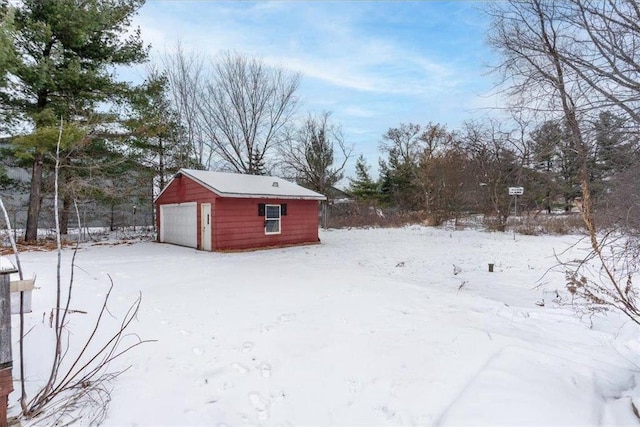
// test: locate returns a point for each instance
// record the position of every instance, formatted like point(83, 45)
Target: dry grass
point(548, 224)
point(42, 245)
point(355, 215)
point(361, 215)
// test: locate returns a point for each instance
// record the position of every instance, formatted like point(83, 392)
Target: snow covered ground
point(371, 327)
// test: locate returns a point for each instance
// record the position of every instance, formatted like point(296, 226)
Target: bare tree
point(186, 79)
point(316, 153)
point(606, 55)
point(404, 147)
point(493, 167)
point(532, 37)
point(403, 141)
point(549, 65)
point(245, 109)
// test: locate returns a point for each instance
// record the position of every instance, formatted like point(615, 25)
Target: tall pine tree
point(64, 68)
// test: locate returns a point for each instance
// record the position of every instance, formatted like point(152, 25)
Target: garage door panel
point(178, 224)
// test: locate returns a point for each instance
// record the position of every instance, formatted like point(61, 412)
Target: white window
point(272, 219)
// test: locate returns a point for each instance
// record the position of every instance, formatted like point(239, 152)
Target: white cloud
point(373, 64)
point(331, 49)
point(356, 111)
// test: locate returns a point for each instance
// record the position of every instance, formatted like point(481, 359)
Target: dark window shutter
point(260, 209)
point(283, 209)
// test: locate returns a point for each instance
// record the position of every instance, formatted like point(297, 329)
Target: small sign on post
point(516, 191)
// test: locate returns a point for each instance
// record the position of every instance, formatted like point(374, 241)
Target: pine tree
point(612, 153)
point(66, 51)
point(363, 187)
point(7, 54)
point(157, 140)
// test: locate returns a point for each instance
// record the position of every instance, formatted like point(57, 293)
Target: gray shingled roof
point(249, 186)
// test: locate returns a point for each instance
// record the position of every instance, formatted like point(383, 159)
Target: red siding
point(236, 223)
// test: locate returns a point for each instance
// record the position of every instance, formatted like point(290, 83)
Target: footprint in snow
point(287, 317)
point(260, 405)
point(388, 413)
point(247, 346)
point(265, 369)
point(240, 368)
point(198, 351)
point(266, 328)
point(355, 386)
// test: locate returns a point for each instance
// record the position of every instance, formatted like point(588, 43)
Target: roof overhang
point(265, 196)
point(223, 194)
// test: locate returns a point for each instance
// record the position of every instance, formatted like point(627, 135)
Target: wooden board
point(22, 285)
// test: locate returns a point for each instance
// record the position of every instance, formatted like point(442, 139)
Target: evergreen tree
point(157, 140)
point(612, 150)
point(258, 165)
point(557, 160)
point(545, 140)
point(398, 181)
point(403, 145)
point(66, 51)
point(7, 55)
point(363, 187)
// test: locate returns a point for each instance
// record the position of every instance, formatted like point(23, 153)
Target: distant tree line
point(447, 174)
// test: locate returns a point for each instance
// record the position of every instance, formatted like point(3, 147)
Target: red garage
point(227, 211)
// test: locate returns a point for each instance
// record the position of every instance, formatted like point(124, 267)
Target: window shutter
point(260, 209)
point(283, 209)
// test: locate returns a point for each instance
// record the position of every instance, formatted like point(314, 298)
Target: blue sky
point(374, 65)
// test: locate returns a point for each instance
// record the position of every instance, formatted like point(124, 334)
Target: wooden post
point(6, 361)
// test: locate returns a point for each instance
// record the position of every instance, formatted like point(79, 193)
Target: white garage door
point(178, 224)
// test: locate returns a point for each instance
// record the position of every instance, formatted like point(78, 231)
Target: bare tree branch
point(245, 109)
point(316, 153)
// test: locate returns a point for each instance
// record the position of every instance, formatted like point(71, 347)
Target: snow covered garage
point(216, 211)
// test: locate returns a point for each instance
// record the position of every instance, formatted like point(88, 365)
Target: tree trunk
point(31, 233)
point(112, 218)
point(64, 215)
point(161, 167)
point(154, 218)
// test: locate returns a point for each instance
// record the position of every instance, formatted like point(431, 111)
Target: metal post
point(6, 361)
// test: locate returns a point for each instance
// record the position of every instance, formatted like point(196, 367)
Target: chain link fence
point(95, 218)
